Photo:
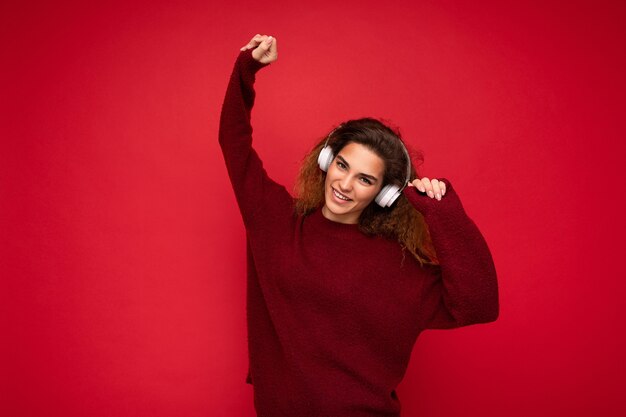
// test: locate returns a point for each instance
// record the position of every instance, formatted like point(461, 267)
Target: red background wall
point(123, 251)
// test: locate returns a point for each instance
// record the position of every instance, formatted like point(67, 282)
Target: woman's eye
point(340, 165)
point(366, 180)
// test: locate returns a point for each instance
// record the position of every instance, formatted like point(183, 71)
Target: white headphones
point(389, 193)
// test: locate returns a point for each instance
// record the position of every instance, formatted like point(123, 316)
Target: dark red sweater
point(333, 314)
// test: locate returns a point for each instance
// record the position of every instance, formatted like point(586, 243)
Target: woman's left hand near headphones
point(434, 188)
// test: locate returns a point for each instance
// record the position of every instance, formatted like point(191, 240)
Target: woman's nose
point(346, 183)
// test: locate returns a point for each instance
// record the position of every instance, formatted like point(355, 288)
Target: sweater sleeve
point(464, 287)
point(255, 192)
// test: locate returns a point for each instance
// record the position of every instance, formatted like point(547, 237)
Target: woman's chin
point(338, 208)
point(337, 214)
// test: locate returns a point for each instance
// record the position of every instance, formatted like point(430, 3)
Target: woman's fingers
point(419, 185)
point(428, 187)
point(433, 188)
point(253, 42)
point(265, 48)
point(266, 52)
point(274, 46)
point(436, 188)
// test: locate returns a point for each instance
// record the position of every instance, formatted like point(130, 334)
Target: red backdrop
point(123, 287)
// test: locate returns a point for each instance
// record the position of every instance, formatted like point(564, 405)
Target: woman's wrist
point(248, 62)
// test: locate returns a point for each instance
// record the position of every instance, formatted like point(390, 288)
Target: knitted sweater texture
point(333, 314)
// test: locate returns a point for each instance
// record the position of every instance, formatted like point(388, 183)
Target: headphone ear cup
point(325, 158)
point(388, 195)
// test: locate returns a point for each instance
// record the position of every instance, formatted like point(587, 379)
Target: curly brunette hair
point(401, 221)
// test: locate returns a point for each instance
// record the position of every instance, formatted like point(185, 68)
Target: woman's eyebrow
point(341, 158)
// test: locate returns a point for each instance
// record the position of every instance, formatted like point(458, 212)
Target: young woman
point(344, 277)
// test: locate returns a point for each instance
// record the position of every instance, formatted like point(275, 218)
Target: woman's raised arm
point(254, 190)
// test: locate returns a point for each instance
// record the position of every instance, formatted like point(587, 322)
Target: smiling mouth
point(340, 196)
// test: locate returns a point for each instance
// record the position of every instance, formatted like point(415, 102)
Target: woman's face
point(352, 181)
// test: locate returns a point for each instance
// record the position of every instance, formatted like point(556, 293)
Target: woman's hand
point(266, 50)
point(434, 188)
